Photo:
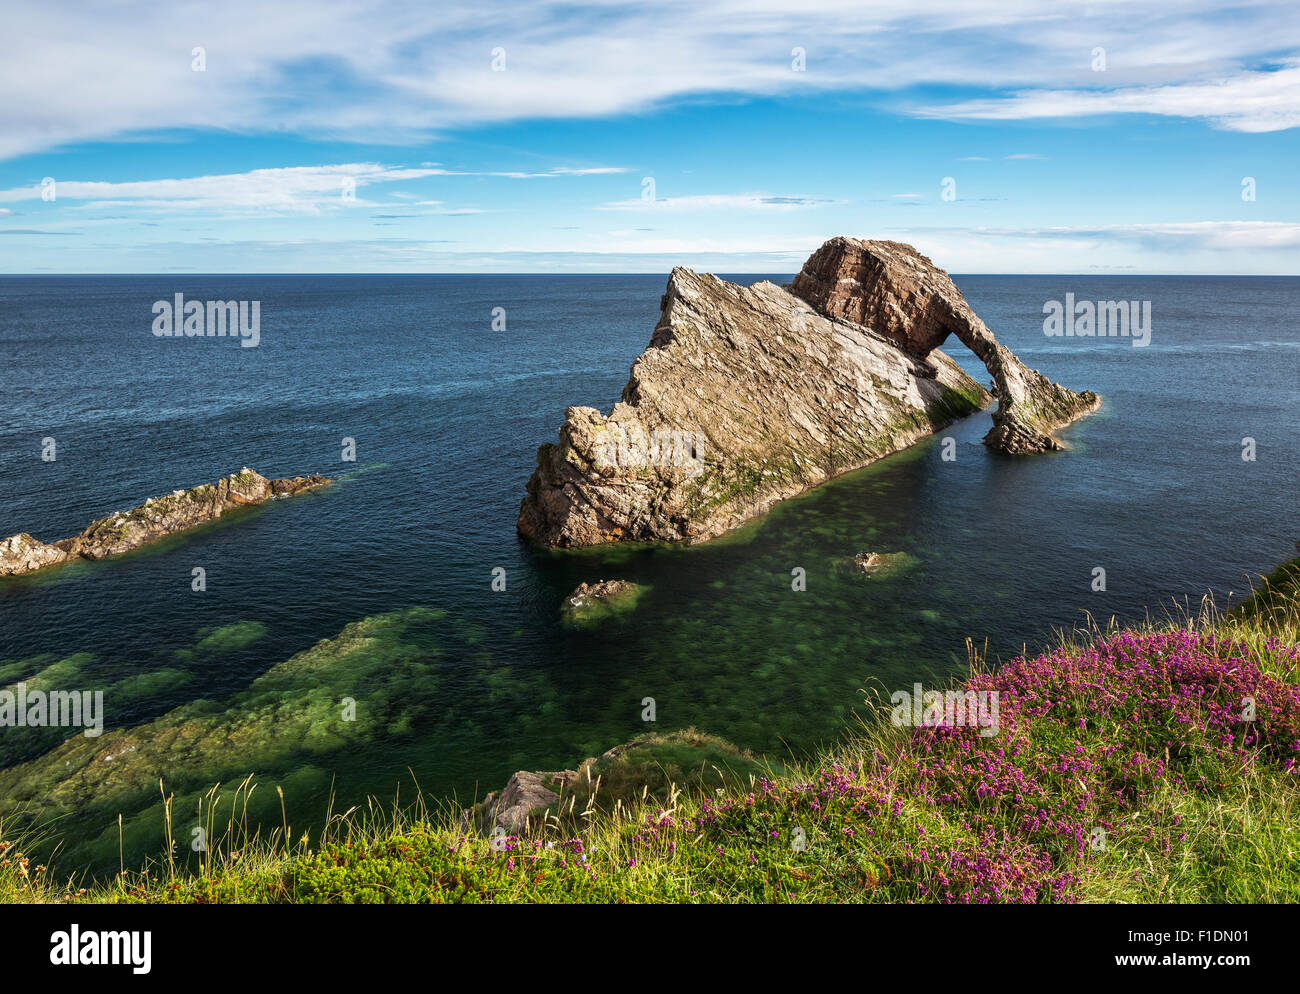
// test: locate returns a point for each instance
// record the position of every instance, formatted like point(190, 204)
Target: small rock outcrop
point(155, 518)
point(899, 293)
point(600, 590)
point(592, 602)
point(877, 565)
point(526, 796)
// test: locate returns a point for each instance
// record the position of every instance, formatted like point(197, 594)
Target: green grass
point(684, 817)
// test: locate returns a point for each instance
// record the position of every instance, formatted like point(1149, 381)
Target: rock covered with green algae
point(744, 397)
point(293, 710)
point(156, 518)
point(592, 603)
point(879, 565)
point(225, 638)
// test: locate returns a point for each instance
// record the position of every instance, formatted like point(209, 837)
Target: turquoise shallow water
point(458, 684)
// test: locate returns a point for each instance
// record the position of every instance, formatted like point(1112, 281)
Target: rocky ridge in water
point(154, 519)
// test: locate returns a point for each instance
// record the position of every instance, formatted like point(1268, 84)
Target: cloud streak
point(291, 189)
point(1238, 101)
point(1187, 236)
point(720, 201)
point(390, 71)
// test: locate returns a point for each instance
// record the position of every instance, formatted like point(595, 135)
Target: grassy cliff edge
point(1149, 765)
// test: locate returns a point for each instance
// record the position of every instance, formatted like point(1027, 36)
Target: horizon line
point(1257, 276)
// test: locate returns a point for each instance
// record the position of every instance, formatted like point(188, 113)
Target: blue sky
point(600, 137)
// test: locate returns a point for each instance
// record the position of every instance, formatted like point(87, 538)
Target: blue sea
point(457, 684)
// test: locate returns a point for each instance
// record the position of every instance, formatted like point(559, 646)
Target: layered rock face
point(747, 396)
point(154, 519)
point(899, 293)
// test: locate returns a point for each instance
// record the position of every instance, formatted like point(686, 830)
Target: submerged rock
point(592, 602)
point(286, 717)
point(747, 396)
point(156, 518)
point(880, 563)
point(872, 565)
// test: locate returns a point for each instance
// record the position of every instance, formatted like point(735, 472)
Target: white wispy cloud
point(720, 201)
point(1186, 236)
point(1266, 248)
point(562, 171)
point(435, 170)
point(442, 208)
point(291, 188)
point(1244, 100)
point(288, 189)
point(393, 71)
point(688, 247)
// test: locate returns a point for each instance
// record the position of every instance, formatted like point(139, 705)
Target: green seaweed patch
point(228, 638)
point(149, 685)
point(594, 605)
point(292, 711)
point(957, 402)
point(14, 669)
point(62, 675)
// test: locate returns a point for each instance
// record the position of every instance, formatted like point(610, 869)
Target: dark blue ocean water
point(447, 414)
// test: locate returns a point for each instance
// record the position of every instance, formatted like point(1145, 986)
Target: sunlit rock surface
point(745, 396)
point(899, 293)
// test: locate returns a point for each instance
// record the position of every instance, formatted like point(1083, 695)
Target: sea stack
point(895, 291)
point(747, 396)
